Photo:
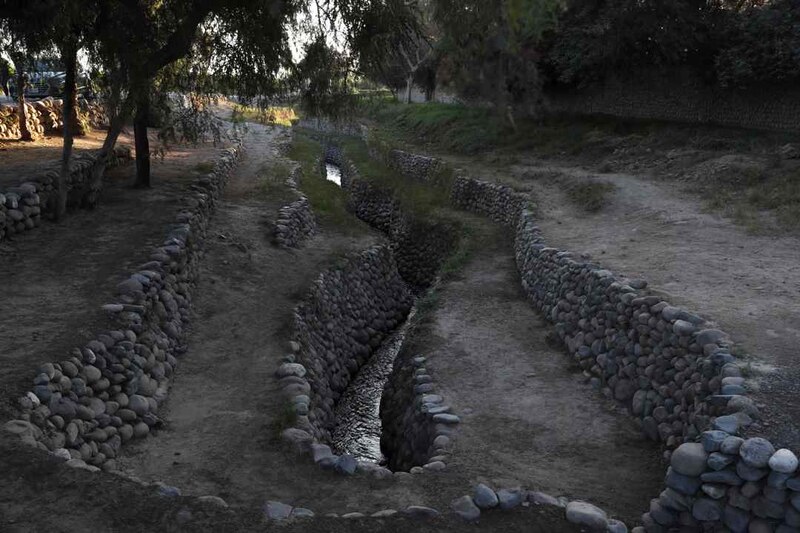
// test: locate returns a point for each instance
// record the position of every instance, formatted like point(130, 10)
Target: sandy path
point(748, 284)
point(527, 419)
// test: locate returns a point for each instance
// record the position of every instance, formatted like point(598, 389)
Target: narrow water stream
point(358, 422)
point(333, 173)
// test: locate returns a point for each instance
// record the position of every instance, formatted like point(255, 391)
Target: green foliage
point(324, 75)
point(763, 44)
point(327, 199)
point(489, 52)
point(456, 128)
point(776, 191)
point(728, 44)
point(271, 116)
point(416, 198)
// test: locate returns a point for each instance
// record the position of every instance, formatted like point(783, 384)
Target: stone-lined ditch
point(338, 380)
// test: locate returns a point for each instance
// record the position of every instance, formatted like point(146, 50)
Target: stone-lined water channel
point(358, 422)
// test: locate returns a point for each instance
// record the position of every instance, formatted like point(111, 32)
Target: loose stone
point(509, 498)
point(783, 461)
point(756, 452)
point(466, 508)
point(484, 497)
point(277, 510)
point(586, 514)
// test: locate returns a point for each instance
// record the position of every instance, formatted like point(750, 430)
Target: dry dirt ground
point(656, 227)
point(23, 160)
point(528, 418)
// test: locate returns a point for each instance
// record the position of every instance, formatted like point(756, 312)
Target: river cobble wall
point(346, 316)
point(420, 246)
point(295, 222)
point(417, 423)
point(108, 392)
point(22, 207)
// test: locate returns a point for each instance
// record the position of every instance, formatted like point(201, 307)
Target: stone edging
point(22, 207)
point(417, 423)
point(295, 222)
point(84, 408)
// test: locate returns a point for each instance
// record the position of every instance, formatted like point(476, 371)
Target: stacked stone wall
point(22, 207)
point(295, 222)
point(346, 316)
point(673, 372)
point(417, 424)
point(46, 117)
point(419, 167)
point(419, 245)
point(108, 392)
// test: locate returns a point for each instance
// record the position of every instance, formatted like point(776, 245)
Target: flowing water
point(333, 173)
point(358, 422)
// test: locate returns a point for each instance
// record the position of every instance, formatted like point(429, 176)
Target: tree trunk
point(24, 133)
point(119, 114)
point(140, 137)
point(409, 83)
point(70, 61)
point(71, 93)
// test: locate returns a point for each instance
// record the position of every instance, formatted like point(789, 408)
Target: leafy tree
point(599, 37)
point(489, 49)
point(761, 45)
point(398, 47)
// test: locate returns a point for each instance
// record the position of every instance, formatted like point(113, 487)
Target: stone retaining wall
point(295, 222)
point(672, 372)
point(22, 207)
point(416, 422)
point(108, 392)
point(347, 314)
point(419, 167)
point(499, 202)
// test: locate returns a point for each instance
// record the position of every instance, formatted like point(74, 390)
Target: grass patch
point(269, 116)
point(418, 199)
point(589, 195)
point(327, 199)
point(455, 128)
point(767, 198)
point(203, 167)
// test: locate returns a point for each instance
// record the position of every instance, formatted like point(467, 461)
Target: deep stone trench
point(358, 422)
point(358, 428)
